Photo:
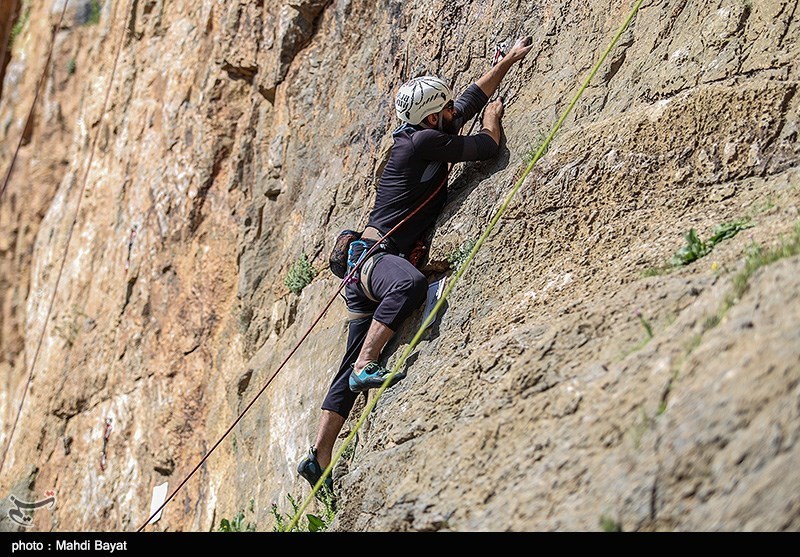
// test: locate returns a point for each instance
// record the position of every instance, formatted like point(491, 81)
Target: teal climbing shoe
point(372, 376)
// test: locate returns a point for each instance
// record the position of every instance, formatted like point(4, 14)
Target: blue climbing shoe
point(310, 469)
point(372, 376)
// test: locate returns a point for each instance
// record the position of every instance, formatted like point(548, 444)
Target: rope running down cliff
point(305, 335)
point(353, 271)
point(539, 153)
point(33, 105)
point(69, 237)
point(425, 324)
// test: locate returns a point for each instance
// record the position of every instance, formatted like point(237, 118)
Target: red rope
point(305, 335)
point(296, 346)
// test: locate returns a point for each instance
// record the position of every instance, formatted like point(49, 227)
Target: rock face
point(9, 14)
point(575, 383)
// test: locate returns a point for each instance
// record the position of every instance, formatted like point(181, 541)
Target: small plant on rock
point(645, 323)
point(237, 524)
point(694, 249)
point(300, 275)
point(19, 26)
point(94, 13)
point(538, 139)
point(758, 257)
point(313, 522)
point(608, 524)
point(459, 256)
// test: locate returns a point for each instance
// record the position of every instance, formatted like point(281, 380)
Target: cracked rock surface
point(576, 380)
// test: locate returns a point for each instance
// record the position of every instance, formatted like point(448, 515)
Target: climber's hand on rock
point(494, 111)
point(520, 49)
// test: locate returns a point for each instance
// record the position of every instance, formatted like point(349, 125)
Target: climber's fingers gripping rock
point(520, 49)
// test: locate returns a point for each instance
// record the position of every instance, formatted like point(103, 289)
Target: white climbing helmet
point(421, 96)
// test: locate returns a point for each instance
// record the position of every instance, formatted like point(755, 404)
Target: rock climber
point(390, 288)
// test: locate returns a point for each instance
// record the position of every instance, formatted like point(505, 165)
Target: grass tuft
point(94, 13)
point(459, 256)
point(300, 275)
point(758, 257)
point(313, 522)
point(696, 248)
point(16, 30)
point(237, 524)
point(608, 524)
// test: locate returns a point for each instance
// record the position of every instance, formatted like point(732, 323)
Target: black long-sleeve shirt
point(418, 164)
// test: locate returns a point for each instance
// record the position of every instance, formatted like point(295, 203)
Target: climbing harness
point(356, 248)
point(366, 275)
point(358, 256)
point(454, 280)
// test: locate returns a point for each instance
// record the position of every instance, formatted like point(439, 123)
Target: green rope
point(542, 148)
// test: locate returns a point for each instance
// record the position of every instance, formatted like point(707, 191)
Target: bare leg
point(330, 424)
point(377, 337)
